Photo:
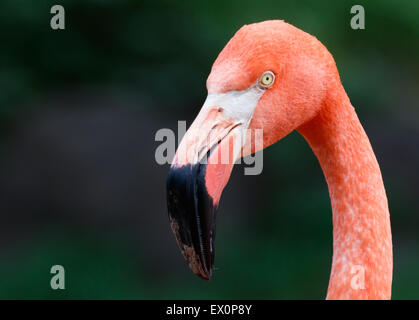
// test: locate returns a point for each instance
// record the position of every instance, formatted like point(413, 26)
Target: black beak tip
point(192, 217)
point(192, 257)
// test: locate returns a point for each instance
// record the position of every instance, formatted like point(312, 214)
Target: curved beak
point(200, 171)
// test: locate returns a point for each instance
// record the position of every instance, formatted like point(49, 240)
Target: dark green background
point(79, 185)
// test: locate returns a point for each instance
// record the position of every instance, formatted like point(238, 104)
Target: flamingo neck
point(362, 263)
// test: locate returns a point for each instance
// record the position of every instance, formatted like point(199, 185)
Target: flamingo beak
point(192, 215)
point(200, 171)
point(194, 186)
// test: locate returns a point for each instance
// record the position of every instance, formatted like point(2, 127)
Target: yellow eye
point(266, 79)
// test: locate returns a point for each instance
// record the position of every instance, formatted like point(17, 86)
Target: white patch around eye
point(237, 105)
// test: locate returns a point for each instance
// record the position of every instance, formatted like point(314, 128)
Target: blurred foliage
point(161, 52)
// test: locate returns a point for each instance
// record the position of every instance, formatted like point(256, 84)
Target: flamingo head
point(270, 78)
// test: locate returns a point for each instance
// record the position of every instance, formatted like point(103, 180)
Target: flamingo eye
point(266, 79)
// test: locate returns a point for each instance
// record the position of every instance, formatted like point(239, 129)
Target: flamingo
point(277, 78)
